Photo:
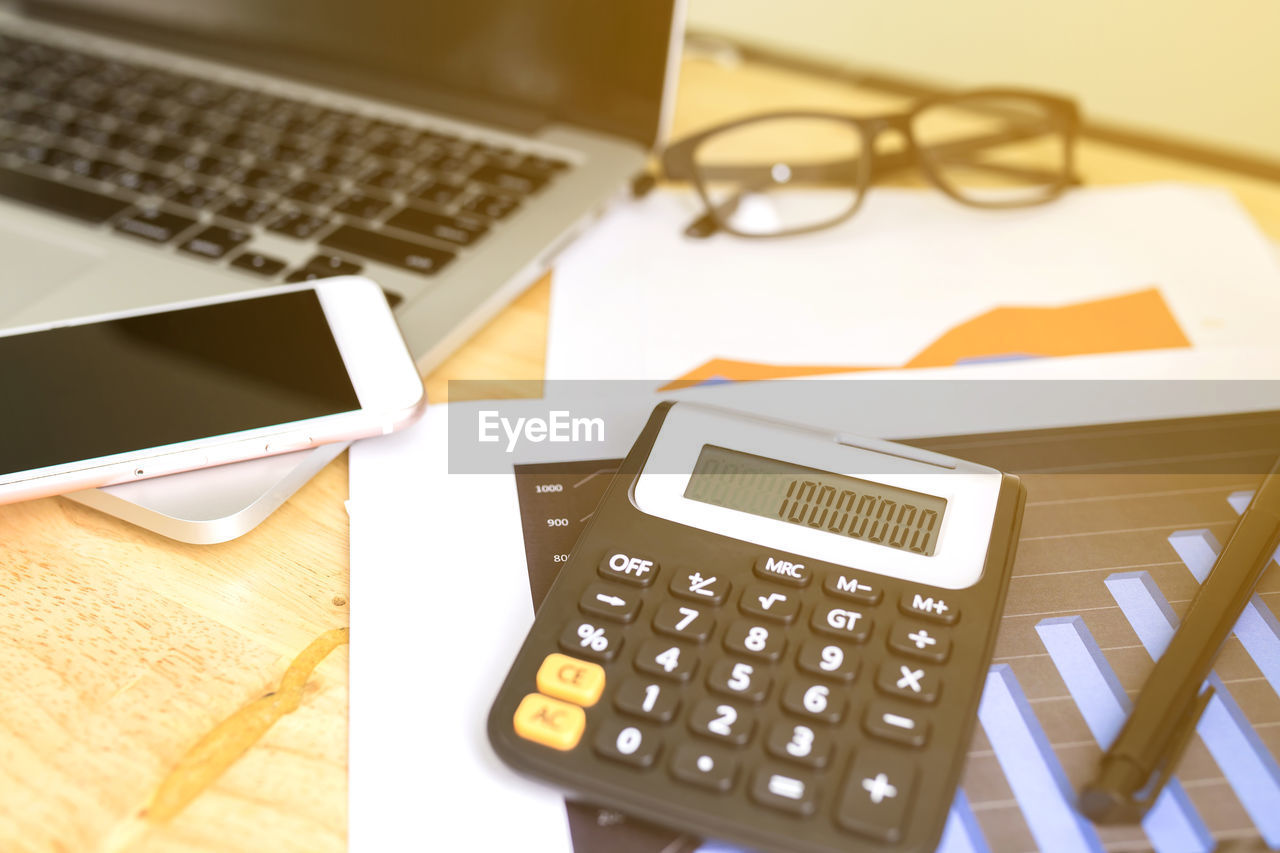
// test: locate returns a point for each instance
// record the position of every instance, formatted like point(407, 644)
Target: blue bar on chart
point(1172, 824)
point(962, 833)
point(1034, 774)
point(1249, 768)
point(1257, 629)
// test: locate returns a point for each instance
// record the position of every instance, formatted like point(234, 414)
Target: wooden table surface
point(144, 703)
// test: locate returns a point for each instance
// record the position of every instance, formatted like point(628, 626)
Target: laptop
point(159, 150)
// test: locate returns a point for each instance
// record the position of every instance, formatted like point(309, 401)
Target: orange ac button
point(550, 722)
point(578, 681)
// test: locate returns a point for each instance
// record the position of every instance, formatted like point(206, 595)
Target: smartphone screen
point(82, 392)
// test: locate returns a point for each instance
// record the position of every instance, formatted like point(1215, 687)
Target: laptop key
point(59, 198)
point(295, 223)
point(438, 226)
point(390, 179)
point(439, 192)
point(491, 206)
point(260, 179)
point(510, 180)
point(259, 264)
point(142, 182)
point(332, 265)
point(388, 250)
point(157, 226)
point(361, 205)
point(215, 242)
point(194, 196)
point(310, 192)
point(246, 210)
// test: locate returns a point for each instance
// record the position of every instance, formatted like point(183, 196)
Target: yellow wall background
point(1205, 71)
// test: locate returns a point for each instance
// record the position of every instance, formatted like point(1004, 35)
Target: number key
point(830, 660)
point(748, 638)
point(627, 743)
point(684, 621)
point(816, 701)
point(641, 697)
point(667, 659)
point(738, 678)
point(721, 721)
point(800, 743)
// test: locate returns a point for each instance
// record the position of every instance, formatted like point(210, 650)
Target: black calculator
point(769, 635)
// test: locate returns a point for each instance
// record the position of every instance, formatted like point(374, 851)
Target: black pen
point(1141, 759)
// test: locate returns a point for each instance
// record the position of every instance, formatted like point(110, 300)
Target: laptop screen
point(596, 63)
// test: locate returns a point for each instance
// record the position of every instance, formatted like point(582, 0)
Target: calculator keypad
point(768, 718)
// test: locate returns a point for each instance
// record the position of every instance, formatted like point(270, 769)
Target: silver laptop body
point(460, 182)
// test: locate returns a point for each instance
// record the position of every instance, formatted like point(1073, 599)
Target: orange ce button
point(573, 680)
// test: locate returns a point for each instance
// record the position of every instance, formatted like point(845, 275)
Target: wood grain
point(121, 650)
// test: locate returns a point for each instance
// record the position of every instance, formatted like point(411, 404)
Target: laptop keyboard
point(174, 160)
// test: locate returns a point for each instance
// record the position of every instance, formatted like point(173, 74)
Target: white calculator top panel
point(970, 491)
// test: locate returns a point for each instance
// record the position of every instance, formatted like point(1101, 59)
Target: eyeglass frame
point(679, 161)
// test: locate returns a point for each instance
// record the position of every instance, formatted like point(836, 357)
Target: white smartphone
point(125, 396)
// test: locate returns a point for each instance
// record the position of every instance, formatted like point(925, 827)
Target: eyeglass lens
point(754, 195)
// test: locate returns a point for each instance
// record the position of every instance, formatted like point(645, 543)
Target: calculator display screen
point(833, 503)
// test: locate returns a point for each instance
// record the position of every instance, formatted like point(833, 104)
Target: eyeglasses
point(993, 148)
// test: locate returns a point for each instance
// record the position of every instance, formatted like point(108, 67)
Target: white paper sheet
point(636, 299)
